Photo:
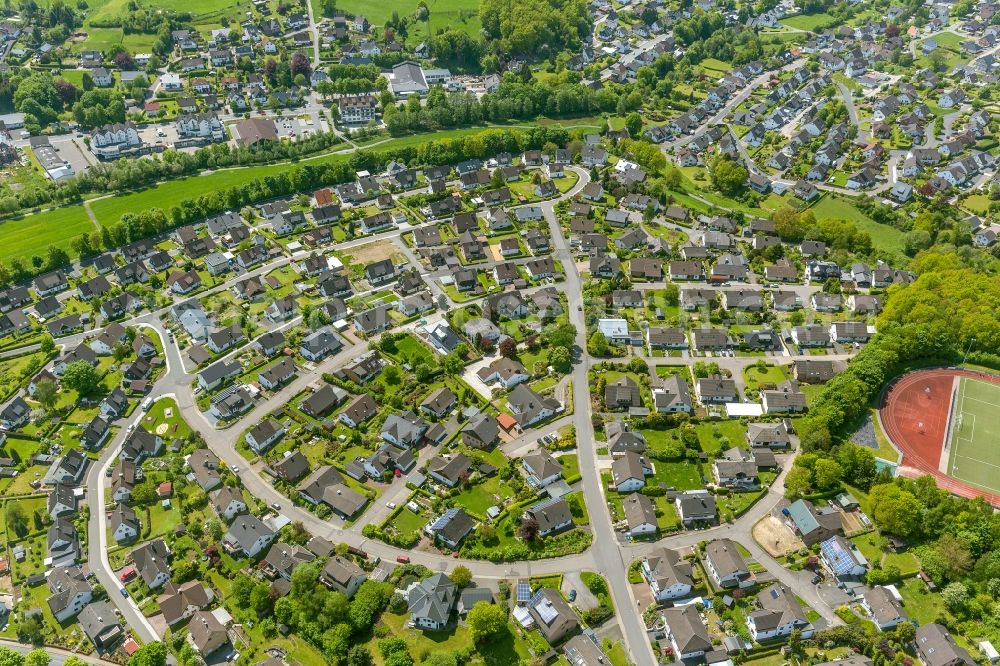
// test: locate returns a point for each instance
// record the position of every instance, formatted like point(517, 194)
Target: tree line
point(515, 99)
point(934, 318)
point(133, 226)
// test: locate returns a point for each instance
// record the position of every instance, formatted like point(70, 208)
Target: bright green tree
point(486, 622)
point(81, 377)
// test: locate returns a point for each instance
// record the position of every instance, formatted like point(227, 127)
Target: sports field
point(974, 455)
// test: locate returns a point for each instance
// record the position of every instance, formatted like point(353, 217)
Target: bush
point(597, 615)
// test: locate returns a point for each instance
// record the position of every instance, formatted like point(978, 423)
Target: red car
point(403, 559)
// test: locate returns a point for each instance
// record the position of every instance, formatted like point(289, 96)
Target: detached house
point(779, 615)
point(726, 565)
point(669, 576)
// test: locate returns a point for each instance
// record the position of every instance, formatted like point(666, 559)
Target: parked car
point(403, 559)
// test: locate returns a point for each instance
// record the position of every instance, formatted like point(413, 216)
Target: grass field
point(105, 10)
point(883, 236)
point(33, 234)
point(977, 203)
point(975, 431)
point(457, 14)
point(754, 376)
point(809, 21)
point(413, 351)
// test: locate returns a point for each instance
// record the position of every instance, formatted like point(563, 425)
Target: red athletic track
point(905, 404)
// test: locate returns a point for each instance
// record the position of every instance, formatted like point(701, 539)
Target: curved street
point(607, 555)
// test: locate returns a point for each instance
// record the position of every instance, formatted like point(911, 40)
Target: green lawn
point(162, 521)
point(170, 426)
point(20, 448)
point(421, 642)
point(413, 351)
point(715, 65)
point(921, 605)
point(754, 376)
point(885, 450)
point(715, 435)
point(734, 505)
point(975, 433)
point(683, 475)
point(616, 653)
point(666, 514)
point(809, 22)
point(870, 546)
point(32, 235)
point(407, 522)
point(482, 496)
point(458, 14)
point(571, 467)
point(977, 203)
point(883, 236)
point(104, 10)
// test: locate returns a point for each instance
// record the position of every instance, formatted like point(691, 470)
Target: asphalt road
point(607, 555)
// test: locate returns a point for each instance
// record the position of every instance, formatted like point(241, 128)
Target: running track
point(905, 404)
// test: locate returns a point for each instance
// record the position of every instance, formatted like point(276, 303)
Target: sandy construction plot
point(775, 537)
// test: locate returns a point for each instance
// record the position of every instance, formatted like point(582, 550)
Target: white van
point(147, 403)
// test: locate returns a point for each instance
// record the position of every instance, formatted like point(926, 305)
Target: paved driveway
point(585, 599)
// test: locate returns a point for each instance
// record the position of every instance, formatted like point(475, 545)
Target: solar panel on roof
point(535, 599)
point(444, 519)
point(547, 612)
point(523, 591)
point(774, 594)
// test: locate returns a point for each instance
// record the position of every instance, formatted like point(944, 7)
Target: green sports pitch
point(975, 434)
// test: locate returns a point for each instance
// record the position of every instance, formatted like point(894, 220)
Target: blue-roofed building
point(843, 558)
point(812, 524)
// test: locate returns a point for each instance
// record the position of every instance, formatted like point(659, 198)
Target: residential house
point(726, 565)
point(884, 609)
point(326, 485)
point(431, 602)
point(779, 615)
point(669, 576)
point(686, 632)
point(248, 536)
point(552, 616)
point(541, 469)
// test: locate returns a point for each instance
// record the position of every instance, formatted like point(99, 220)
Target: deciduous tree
point(486, 622)
point(461, 576)
point(81, 377)
point(46, 393)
